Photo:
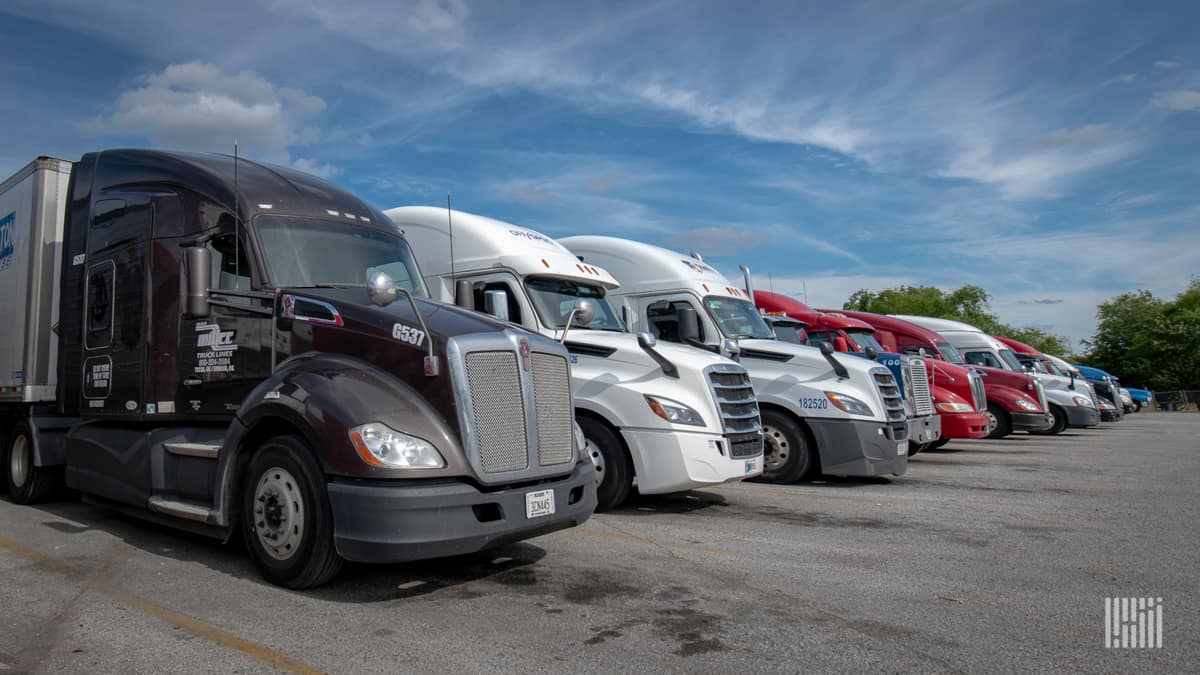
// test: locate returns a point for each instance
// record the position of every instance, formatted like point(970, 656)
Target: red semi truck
point(960, 402)
point(1014, 401)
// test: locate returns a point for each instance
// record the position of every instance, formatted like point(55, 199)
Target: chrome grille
point(552, 401)
point(494, 383)
point(919, 382)
point(1041, 396)
point(893, 403)
point(731, 389)
point(978, 392)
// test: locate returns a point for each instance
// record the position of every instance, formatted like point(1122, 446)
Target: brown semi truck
point(233, 347)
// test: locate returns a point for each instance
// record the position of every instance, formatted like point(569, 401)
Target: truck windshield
point(738, 319)
point(555, 298)
point(949, 353)
point(308, 252)
point(1011, 359)
point(863, 338)
point(1053, 368)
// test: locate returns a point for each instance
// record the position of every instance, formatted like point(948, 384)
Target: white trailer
point(842, 417)
point(31, 231)
point(671, 417)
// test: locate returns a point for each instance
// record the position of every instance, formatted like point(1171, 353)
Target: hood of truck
point(626, 349)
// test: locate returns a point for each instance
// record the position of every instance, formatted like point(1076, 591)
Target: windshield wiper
point(327, 286)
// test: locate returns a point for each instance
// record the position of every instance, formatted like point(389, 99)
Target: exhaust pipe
point(749, 282)
point(464, 295)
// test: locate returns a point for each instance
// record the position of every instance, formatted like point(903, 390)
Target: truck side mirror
point(496, 303)
point(196, 276)
point(382, 289)
point(689, 324)
point(840, 344)
point(585, 312)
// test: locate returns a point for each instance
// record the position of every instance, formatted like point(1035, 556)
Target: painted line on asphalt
point(199, 628)
point(631, 539)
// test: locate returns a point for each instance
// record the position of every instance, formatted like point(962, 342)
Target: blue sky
point(1046, 151)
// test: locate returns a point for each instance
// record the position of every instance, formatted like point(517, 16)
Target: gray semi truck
point(234, 348)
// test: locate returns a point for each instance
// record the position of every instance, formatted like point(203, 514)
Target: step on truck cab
point(821, 413)
point(980, 349)
point(1086, 412)
point(1013, 401)
point(672, 418)
point(233, 347)
point(851, 336)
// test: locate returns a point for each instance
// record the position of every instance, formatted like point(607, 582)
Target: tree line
point(1144, 340)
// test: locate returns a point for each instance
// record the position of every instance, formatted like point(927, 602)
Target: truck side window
point(982, 359)
point(815, 338)
point(230, 268)
point(663, 320)
point(514, 307)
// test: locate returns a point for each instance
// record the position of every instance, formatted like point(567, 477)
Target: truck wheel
point(27, 484)
point(1060, 422)
point(1137, 406)
point(998, 421)
point(914, 448)
point(941, 442)
point(614, 472)
point(788, 456)
point(287, 523)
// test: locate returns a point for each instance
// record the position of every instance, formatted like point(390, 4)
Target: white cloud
point(1168, 63)
point(1123, 78)
point(824, 291)
point(196, 106)
point(1179, 100)
point(315, 167)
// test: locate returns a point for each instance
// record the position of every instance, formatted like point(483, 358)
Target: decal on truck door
point(214, 349)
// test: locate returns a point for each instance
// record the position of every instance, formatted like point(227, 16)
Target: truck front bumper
point(1108, 415)
point(674, 461)
point(1031, 421)
point(925, 429)
point(388, 521)
point(1079, 416)
point(964, 425)
point(858, 448)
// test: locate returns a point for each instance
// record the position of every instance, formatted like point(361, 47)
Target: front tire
point(27, 484)
point(1060, 422)
point(614, 478)
point(788, 455)
point(999, 421)
point(914, 448)
point(1137, 406)
point(287, 523)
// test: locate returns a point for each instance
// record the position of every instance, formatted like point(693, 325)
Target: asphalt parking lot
point(989, 555)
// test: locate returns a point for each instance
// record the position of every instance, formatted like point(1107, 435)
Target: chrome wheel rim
point(593, 451)
point(776, 449)
point(18, 461)
point(278, 513)
point(993, 423)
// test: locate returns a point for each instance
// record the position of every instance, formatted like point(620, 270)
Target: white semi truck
point(670, 417)
point(1070, 404)
point(821, 413)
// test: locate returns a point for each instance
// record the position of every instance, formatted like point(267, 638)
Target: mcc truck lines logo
point(214, 349)
point(7, 239)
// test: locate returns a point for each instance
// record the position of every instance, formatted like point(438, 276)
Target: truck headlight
point(1022, 403)
point(848, 404)
point(674, 411)
point(952, 407)
point(380, 445)
point(1082, 402)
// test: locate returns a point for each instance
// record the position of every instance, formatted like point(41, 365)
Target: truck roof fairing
point(670, 269)
point(488, 243)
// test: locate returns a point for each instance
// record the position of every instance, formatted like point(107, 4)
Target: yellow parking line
point(207, 631)
point(629, 538)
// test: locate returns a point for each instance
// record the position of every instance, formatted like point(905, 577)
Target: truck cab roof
point(657, 268)
point(482, 243)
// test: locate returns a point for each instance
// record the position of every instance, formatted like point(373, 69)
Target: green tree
point(967, 303)
point(1149, 342)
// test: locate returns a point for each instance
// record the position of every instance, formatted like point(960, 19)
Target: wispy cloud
point(1179, 100)
point(1123, 78)
point(1165, 64)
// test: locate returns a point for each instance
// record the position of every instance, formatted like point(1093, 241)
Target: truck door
point(226, 354)
point(114, 320)
point(661, 318)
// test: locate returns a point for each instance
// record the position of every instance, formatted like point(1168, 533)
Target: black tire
point(615, 471)
point(783, 436)
point(27, 484)
point(941, 442)
point(914, 448)
point(1001, 424)
point(1137, 406)
point(304, 555)
point(1060, 422)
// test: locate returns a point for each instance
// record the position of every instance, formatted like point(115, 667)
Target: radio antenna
point(237, 222)
point(450, 223)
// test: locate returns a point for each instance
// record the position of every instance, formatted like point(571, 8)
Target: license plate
point(751, 465)
point(538, 504)
point(902, 448)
